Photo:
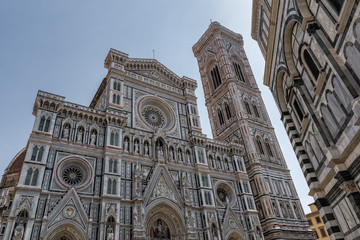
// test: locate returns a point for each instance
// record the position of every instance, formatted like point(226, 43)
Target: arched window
point(35, 177)
point(118, 86)
point(114, 85)
point(215, 76)
point(109, 183)
point(259, 144)
point(47, 124)
point(311, 64)
point(111, 165)
point(28, 176)
point(298, 110)
point(40, 154)
point(41, 124)
point(248, 110)
point(268, 149)
point(114, 98)
point(118, 99)
point(238, 72)
point(114, 186)
point(221, 117)
point(112, 138)
point(116, 139)
point(227, 110)
point(31, 177)
point(115, 166)
point(34, 153)
point(256, 110)
point(201, 156)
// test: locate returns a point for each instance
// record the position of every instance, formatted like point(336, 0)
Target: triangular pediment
point(68, 209)
point(162, 186)
point(158, 73)
point(232, 224)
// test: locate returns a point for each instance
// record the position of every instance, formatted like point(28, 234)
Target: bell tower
point(237, 114)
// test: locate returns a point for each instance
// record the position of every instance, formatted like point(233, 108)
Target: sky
point(60, 47)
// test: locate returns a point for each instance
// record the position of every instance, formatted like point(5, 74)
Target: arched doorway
point(164, 222)
point(235, 236)
point(65, 232)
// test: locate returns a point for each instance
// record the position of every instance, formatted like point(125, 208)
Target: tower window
point(111, 187)
point(42, 122)
point(238, 72)
point(268, 149)
point(248, 110)
point(311, 64)
point(215, 76)
point(259, 144)
point(47, 124)
point(256, 110)
point(227, 110)
point(221, 117)
point(31, 177)
point(298, 110)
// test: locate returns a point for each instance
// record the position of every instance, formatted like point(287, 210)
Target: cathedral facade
point(312, 67)
point(136, 165)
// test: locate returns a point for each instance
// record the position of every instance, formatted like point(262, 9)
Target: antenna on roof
point(153, 54)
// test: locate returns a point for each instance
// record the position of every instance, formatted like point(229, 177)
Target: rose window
point(223, 196)
point(72, 175)
point(153, 116)
point(225, 193)
point(74, 172)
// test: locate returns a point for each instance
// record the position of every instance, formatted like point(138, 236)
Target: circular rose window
point(156, 113)
point(153, 116)
point(74, 172)
point(223, 196)
point(224, 193)
point(72, 175)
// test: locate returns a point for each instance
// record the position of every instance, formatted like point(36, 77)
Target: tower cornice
point(206, 38)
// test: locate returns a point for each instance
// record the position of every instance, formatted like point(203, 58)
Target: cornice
point(207, 37)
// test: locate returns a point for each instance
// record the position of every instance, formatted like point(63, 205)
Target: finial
point(153, 54)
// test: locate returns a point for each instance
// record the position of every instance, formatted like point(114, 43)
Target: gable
point(68, 209)
point(162, 186)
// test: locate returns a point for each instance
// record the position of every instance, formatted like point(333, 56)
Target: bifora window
point(215, 76)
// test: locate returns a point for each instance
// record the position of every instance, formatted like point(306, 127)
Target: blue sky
point(60, 47)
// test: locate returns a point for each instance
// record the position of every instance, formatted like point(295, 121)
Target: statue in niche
point(160, 151)
point(136, 151)
point(66, 133)
point(19, 232)
point(93, 138)
point(110, 233)
point(79, 136)
point(180, 156)
point(146, 149)
point(171, 154)
point(188, 157)
point(126, 145)
point(214, 233)
point(56, 131)
point(159, 230)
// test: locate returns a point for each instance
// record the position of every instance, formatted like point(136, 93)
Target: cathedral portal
point(65, 232)
point(163, 222)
